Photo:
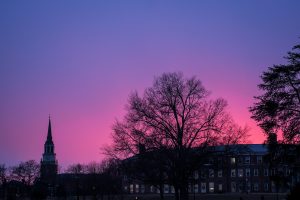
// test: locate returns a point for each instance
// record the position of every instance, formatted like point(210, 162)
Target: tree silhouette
point(174, 117)
point(278, 108)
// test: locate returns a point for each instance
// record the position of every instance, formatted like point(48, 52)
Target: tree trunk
point(161, 191)
point(176, 193)
point(184, 195)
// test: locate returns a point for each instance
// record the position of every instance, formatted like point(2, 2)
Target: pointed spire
point(49, 135)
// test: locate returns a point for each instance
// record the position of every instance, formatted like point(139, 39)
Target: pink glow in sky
point(79, 61)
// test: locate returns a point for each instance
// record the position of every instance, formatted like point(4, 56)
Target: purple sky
point(79, 60)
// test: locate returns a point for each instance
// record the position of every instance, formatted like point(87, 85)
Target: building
point(48, 162)
point(239, 168)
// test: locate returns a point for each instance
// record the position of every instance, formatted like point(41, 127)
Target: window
point(196, 188)
point(142, 188)
point(152, 189)
point(233, 187)
point(211, 173)
point(172, 190)
point(211, 186)
point(203, 187)
point(131, 188)
point(266, 172)
point(259, 159)
point(196, 175)
point(232, 160)
point(248, 186)
point(240, 173)
point(248, 172)
point(233, 173)
point(255, 187)
point(247, 160)
point(203, 174)
point(255, 172)
point(137, 188)
point(166, 188)
point(125, 188)
point(266, 187)
point(220, 187)
point(220, 173)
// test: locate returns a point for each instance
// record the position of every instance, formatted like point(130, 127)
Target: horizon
point(79, 62)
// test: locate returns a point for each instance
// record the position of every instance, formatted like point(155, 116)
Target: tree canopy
point(277, 110)
point(173, 117)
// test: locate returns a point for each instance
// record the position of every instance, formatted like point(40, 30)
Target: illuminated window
point(240, 173)
point(137, 188)
point(232, 161)
point(211, 187)
point(131, 188)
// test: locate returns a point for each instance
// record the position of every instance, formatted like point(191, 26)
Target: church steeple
point(49, 135)
point(48, 161)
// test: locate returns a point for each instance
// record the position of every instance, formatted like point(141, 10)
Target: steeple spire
point(49, 135)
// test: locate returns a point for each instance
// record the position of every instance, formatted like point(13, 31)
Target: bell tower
point(48, 161)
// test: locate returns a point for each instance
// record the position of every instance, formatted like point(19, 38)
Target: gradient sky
point(79, 60)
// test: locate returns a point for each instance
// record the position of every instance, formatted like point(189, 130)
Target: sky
point(79, 60)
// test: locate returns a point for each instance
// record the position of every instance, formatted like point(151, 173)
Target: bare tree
point(76, 169)
point(3, 171)
point(26, 172)
point(174, 117)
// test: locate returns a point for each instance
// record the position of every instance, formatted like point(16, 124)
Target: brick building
point(231, 169)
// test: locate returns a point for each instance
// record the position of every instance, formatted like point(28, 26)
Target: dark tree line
point(98, 180)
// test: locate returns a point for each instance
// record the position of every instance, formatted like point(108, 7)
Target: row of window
point(238, 173)
point(245, 160)
point(209, 187)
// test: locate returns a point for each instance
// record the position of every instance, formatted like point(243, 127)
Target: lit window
point(240, 173)
point(131, 188)
point(233, 173)
point(232, 161)
point(137, 188)
point(211, 187)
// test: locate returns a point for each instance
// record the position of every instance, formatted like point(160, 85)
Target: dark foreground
point(237, 196)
